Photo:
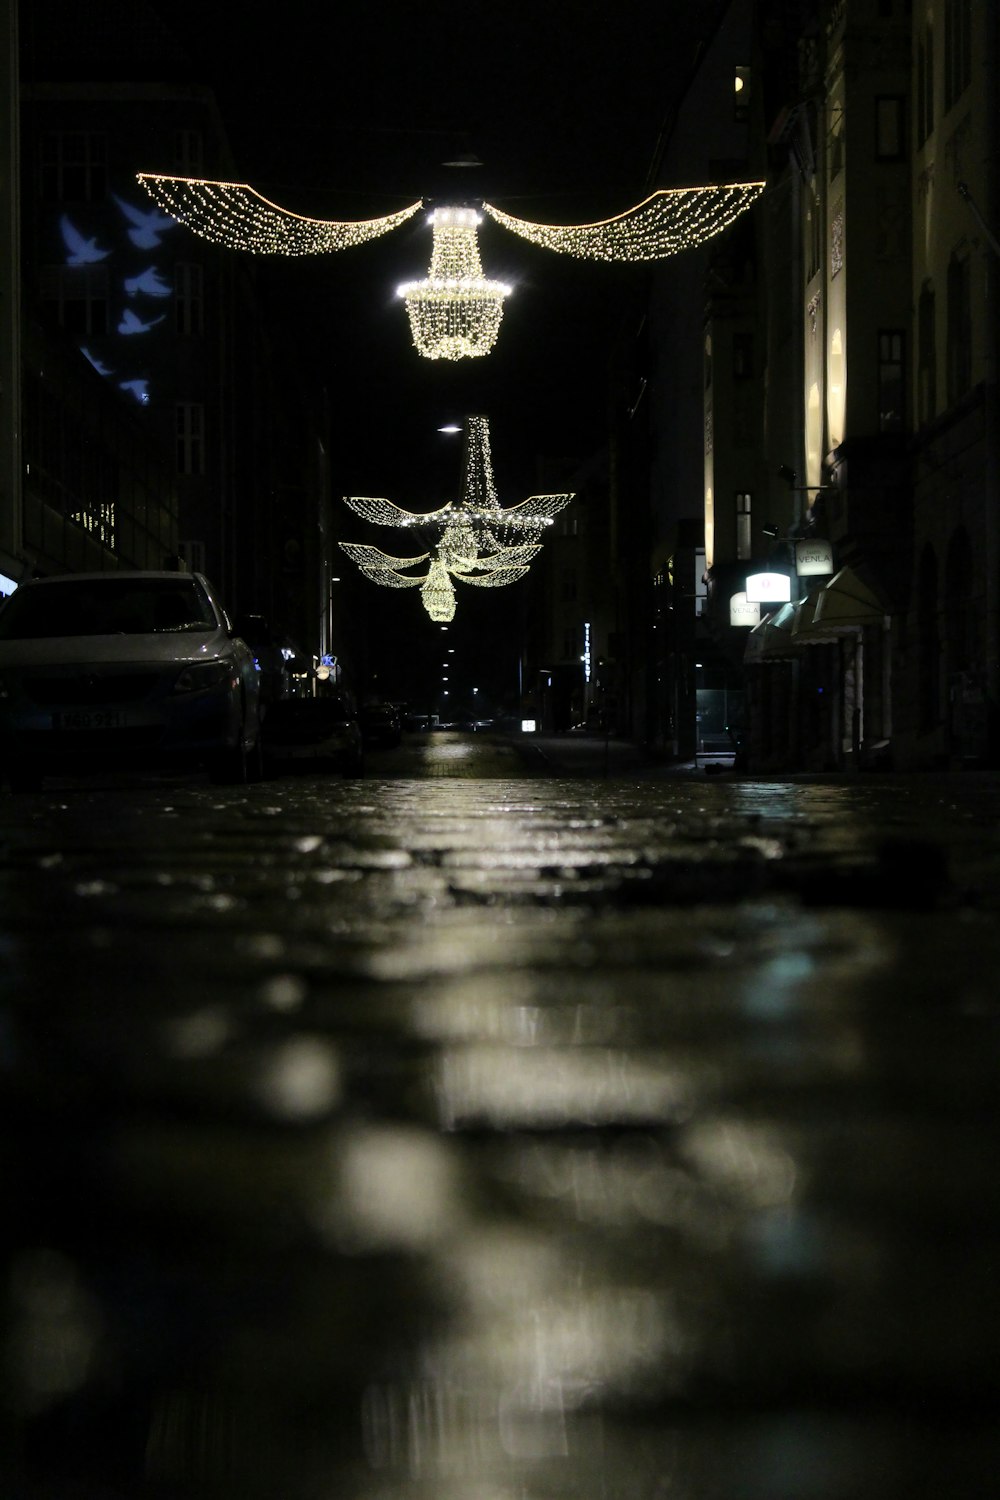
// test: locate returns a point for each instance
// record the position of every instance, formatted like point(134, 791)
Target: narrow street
point(474, 1131)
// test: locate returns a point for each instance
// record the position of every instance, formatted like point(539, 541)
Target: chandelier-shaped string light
point(476, 541)
point(455, 311)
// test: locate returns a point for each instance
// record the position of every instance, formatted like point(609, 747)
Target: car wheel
point(255, 761)
point(229, 767)
point(355, 766)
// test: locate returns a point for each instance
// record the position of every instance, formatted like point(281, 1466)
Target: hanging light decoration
point(476, 541)
point(669, 220)
point(438, 593)
point(237, 216)
point(455, 311)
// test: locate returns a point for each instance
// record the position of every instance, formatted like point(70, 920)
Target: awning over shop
point(771, 640)
point(840, 609)
point(805, 631)
point(847, 602)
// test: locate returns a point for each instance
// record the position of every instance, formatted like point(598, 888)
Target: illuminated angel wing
point(237, 216)
point(508, 557)
point(498, 578)
point(669, 220)
point(531, 515)
point(381, 568)
point(384, 513)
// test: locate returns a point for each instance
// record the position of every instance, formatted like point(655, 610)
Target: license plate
point(90, 718)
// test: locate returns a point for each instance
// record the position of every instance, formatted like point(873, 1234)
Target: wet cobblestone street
point(464, 1133)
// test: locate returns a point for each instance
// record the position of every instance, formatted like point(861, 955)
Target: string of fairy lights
point(235, 215)
point(455, 311)
point(668, 221)
point(476, 541)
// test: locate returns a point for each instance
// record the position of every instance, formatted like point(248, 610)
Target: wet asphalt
point(525, 1120)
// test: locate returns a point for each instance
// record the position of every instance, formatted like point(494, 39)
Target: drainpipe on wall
point(11, 535)
point(991, 22)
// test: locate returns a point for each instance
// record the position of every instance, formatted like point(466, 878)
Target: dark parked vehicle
point(380, 724)
point(313, 734)
point(100, 670)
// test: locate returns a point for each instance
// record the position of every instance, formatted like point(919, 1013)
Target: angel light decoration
point(455, 311)
point(476, 541)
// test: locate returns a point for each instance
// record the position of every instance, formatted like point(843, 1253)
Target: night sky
point(346, 112)
point(349, 112)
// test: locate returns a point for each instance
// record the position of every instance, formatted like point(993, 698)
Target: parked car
point(314, 733)
point(98, 670)
point(380, 724)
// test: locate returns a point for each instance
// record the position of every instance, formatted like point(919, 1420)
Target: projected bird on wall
point(476, 540)
point(455, 311)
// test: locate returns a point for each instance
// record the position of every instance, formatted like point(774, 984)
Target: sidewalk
point(595, 755)
point(587, 755)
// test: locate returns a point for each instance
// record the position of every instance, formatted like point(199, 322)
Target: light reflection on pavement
point(500, 1138)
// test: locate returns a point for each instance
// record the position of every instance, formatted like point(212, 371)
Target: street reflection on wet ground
point(501, 1138)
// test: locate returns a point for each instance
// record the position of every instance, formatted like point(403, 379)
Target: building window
point(836, 143)
point(189, 153)
point(568, 585)
point(890, 140)
point(190, 437)
point(959, 334)
point(957, 49)
point(189, 298)
point(571, 646)
point(926, 357)
point(925, 85)
point(814, 237)
point(743, 508)
point(74, 166)
point(928, 642)
point(193, 554)
point(891, 390)
point(77, 298)
point(742, 356)
point(741, 95)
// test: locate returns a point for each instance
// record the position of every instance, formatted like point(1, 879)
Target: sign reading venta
point(813, 558)
point(769, 588)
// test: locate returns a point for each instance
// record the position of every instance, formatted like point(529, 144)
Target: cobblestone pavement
point(479, 1135)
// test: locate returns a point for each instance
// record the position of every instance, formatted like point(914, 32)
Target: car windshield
point(106, 606)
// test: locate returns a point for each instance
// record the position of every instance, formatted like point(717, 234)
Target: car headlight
point(202, 675)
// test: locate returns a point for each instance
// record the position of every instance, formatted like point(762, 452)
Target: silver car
point(98, 670)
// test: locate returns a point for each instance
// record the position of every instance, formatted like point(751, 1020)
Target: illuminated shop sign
point(813, 558)
point(743, 611)
point(769, 588)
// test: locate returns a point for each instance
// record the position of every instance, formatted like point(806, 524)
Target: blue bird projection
point(148, 225)
point(82, 252)
point(148, 283)
point(131, 324)
point(109, 270)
